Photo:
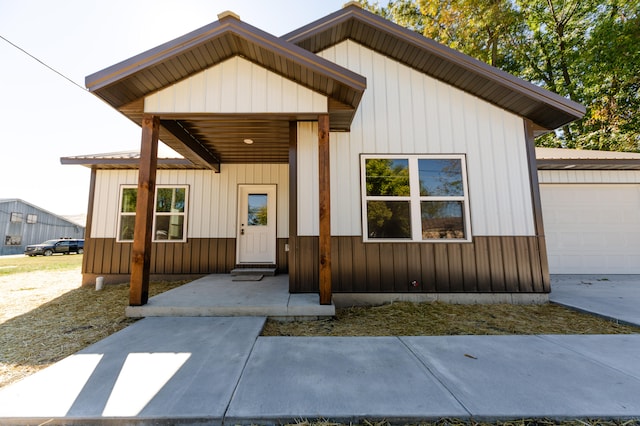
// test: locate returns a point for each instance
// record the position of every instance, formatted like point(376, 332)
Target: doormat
point(247, 278)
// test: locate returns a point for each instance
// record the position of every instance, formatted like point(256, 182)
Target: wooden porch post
point(141, 250)
point(325, 210)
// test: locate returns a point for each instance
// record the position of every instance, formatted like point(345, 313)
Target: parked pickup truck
point(62, 245)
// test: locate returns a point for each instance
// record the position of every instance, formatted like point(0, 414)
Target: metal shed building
point(22, 224)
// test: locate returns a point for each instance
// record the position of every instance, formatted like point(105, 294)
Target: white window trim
point(414, 198)
point(185, 214)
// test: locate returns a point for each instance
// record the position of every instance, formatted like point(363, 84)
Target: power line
point(43, 63)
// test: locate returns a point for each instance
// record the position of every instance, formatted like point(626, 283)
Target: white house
point(352, 154)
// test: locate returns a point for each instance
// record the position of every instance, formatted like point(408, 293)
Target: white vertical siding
point(236, 86)
point(212, 197)
point(405, 111)
point(589, 176)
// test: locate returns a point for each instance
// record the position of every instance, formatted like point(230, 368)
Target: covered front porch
point(229, 94)
point(219, 295)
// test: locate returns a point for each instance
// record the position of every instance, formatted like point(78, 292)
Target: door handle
point(241, 231)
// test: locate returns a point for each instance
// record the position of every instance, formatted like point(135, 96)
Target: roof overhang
point(124, 160)
point(125, 85)
point(578, 159)
point(546, 109)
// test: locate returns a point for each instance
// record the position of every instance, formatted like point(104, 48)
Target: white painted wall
point(405, 111)
point(236, 86)
point(212, 197)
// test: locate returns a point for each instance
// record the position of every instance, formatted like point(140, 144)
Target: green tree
point(479, 28)
point(612, 83)
point(585, 50)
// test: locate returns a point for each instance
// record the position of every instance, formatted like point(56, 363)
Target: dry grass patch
point(440, 319)
point(45, 317)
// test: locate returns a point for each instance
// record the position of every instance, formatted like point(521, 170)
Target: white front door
point(256, 240)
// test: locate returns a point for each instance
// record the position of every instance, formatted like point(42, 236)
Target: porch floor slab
point(217, 295)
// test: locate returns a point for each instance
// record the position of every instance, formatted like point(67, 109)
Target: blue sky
point(44, 117)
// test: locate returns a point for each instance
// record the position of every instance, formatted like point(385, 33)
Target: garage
point(591, 210)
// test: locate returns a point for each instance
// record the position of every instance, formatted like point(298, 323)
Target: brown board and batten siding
point(198, 256)
point(488, 265)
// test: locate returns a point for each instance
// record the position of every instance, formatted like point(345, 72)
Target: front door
point(256, 240)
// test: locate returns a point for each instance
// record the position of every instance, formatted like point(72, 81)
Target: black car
point(62, 245)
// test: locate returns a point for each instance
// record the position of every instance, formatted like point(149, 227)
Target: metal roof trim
point(468, 63)
point(156, 56)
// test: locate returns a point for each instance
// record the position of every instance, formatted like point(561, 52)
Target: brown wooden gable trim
point(543, 107)
point(166, 64)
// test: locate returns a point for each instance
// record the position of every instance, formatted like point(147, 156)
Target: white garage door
point(592, 228)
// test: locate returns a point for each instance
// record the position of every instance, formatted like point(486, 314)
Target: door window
point(257, 213)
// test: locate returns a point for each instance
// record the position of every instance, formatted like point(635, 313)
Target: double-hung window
point(415, 198)
point(170, 213)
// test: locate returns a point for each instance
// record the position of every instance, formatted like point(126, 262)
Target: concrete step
point(301, 307)
point(267, 272)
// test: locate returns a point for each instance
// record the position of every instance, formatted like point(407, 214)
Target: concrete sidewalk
point(205, 370)
point(217, 370)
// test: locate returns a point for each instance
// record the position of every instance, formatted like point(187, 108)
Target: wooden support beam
point(293, 207)
point(141, 250)
point(207, 158)
point(325, 210)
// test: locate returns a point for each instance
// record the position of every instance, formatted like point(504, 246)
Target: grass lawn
point(60, 262)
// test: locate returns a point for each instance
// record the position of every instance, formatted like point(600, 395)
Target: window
point(169, 219)
point(415, 198)
point(257, 210)
point(13, 240)
point(16, 217)
point(32, 218)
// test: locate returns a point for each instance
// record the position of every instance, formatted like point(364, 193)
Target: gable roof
point(546, 109)
point(209, 139)
point(124, 86)
point(18, 201)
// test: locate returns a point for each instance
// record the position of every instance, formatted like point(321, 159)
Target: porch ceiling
point(207, 140)
point(224, 135)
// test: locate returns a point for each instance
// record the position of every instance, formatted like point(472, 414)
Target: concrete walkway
point(204, 370)
point(616, 297)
